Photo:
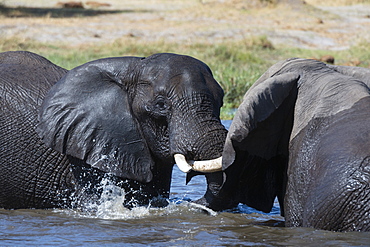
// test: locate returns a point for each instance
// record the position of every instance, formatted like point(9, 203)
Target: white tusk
point(182, 163)
point(214, 165)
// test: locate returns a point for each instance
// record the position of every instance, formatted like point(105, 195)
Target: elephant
point(302, 135)
point(121, 121)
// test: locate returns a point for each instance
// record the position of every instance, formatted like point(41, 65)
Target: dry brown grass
point(336, 2)
point(114, 4)
point(175, 4)
point(189, 21)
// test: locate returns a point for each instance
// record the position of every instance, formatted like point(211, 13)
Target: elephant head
point(301, 134)
point(132, 117)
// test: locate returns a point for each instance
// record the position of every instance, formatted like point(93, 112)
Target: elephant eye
point(161, 104)
point(160, 107)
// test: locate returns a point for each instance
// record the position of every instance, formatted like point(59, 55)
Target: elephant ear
point(256, 147)
point(87, 115)
point(359, 73)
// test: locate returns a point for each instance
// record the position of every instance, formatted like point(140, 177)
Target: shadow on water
point(54, 12)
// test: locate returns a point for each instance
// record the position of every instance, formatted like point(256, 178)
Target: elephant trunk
point(200, 147)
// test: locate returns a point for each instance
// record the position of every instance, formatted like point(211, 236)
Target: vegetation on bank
point(236, 65)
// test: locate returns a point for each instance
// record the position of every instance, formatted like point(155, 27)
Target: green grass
point(235, 65)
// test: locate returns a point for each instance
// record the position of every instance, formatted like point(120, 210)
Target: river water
point(179, 224)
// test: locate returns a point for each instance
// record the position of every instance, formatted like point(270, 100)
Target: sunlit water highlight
point(181, 223)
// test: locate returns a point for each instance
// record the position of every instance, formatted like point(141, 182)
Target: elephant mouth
point(206, 166)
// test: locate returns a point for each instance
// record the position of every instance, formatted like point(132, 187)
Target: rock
point(71, 5)
point(327, 59)
point(93, 4)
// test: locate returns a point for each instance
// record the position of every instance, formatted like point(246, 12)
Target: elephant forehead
point(171, 74)
point(170, 65)
point(164, 78)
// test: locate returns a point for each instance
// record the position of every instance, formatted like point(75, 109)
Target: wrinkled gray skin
point(302, 134)
point(120, 119)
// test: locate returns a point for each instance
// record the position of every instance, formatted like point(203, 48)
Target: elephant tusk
point(182, 164)
point(214, 165)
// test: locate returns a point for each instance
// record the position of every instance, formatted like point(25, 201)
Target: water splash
point(115, 211)
point(111, 201)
